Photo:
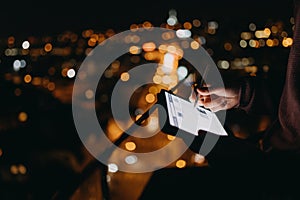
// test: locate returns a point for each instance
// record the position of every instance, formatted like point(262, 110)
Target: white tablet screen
point(185, 116)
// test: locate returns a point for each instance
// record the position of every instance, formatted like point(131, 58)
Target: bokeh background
point(42, 45)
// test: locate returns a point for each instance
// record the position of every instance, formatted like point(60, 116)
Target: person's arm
point(257, 97)
point(249, 93)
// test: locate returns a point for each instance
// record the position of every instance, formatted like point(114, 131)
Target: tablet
point(181, 114)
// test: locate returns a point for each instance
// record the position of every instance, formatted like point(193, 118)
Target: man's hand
point(216, 99)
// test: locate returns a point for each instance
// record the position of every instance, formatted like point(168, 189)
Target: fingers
point(212, 101)
point(209, 91)
point(192, 97)
point(219, 103)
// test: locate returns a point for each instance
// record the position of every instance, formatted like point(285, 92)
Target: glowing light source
point(22, 116)
point(149, 46)
point(263, 33)
point(171, 137)
point(25, 45)
point(17, 65)
point(89, 94)
point(48, 47)
point(71, 73)
point(150, 98)
point(131, 159)
point(246, 35)
point(23, 63)
point(286, 42)
point(153, 90)
point(168, 62)
point(22, 169)
point(14, 169)
point(125, 76)
point(134, 50)
point(187, 25)
point(180, 163)
point(51, 86)
point(183, 33)
point(27, 78)
point(223, 64)
point(195, 45)
point(182, 72)
point(252, 27)
point(228, 46)
point(130, 146)
point(243, 44)
point(172, 20)
point(112, 167)
point(196, 23)
point(198, 158)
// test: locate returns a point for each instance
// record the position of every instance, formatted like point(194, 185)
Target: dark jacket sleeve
point(286, 132)
point(257, 97)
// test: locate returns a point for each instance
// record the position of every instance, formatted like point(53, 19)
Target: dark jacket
point(284, 135)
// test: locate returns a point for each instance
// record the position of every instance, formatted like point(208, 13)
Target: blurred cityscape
point(40, 150)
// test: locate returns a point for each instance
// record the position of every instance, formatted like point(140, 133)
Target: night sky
point(33, 17)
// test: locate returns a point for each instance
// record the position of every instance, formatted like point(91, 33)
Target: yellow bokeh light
point(162, 48)
point(115, 65)
point(134, 50)
point(92, 42)
point(276, 42)
point(134, 27)
point(185, 44)
point(150, 98)
point(168, 35)
point(51, 86)
point(243, 43)
point(89, 94)
point(286, 42)
point(130, 146)
point(195, 45)
point(246, 35)
point(22, 116)
point(125, 76)
point(147, 24)
point(11, 40)
point(180, 163)
point(267, 32)
point(153, 90)
point(274, 29)
point(171, 49)
point(27, 78)
point(157, 79)
point(269, 42)
point(149, 46)
point(187, 25)
point(64, 72)
point(36, 81)
point(14, 169)
point(150, 56)
point(22, 169)
point(196, 23)
point(48, 47)
point(254, 43)
point(138, 116)
point(171, 137)
point(227, 46)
